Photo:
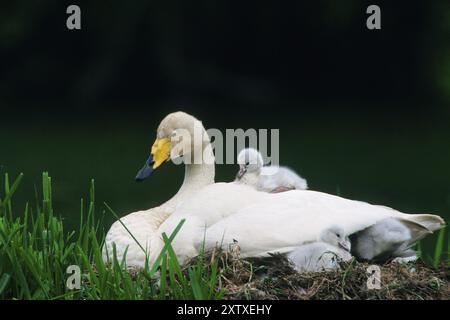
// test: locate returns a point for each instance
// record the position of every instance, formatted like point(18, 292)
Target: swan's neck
point(196, 177)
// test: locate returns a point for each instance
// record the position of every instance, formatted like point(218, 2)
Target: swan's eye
point(338, 235)
point(247, 163)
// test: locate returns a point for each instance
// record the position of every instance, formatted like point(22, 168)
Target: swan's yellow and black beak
point(160, 153)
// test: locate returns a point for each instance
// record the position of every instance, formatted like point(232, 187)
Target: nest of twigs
point(275, 278)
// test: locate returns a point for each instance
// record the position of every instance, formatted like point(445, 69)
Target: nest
point(274, 278)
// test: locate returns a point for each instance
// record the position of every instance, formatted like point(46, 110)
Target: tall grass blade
point(123, 224)
point(439, 249)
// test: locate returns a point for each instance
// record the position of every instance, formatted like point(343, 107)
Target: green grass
point(36, 250)
point(439, 253)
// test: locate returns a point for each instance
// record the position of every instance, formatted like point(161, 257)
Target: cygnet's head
point(335, 236)
point(249, 160)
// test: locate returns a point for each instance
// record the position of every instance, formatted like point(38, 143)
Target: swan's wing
point(291, 218)
point(281, 226)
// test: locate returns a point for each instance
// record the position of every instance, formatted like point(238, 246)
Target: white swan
point(144, 224)
point(332, 247)
point(252, 172)
point(273, 222)
point(223, 212)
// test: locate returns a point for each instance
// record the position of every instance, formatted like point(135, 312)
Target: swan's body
point(326, 254)
point(265, 223)
point(252, 172)
point(221, 213)
point(144, 225)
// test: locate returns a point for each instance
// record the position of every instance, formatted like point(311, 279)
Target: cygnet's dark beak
point(241, 173)
point(345, 245)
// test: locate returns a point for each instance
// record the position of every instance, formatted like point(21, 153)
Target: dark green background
point(364, 114)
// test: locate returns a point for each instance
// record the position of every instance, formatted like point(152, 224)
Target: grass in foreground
point(36, 252)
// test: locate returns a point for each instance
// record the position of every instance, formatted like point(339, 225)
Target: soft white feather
point(252, 172)
point(273, 177)
point(325, 254)
point(264, 223)
point(388, 239)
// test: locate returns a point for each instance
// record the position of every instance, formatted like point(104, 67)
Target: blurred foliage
point(177, 52)
point(439, 49)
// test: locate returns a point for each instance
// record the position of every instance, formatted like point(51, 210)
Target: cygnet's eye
point(247, 163)
point(338, 235)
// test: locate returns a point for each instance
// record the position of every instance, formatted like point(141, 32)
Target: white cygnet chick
point(386, 239)
point(332, 247)
point(252, 172)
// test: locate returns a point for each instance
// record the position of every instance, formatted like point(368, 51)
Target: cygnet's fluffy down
point(387, 239)
point(266, 178)
point(325, 254)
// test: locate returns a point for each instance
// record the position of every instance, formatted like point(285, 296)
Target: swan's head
point(249, 160)
point(179, 135)
point(335, 236)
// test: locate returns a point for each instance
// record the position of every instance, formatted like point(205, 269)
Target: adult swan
point(220, 213)
point(143, 225)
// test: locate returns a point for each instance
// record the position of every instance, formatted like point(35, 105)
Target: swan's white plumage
point(264, 223)
point(296, 217)
point(143, 226)
point(223, 212)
